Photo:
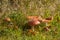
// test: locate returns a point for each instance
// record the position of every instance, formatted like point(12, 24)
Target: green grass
point(44, 8)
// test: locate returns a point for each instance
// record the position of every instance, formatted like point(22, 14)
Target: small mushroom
point(31, 17)
point(33, 21)
point(46, 20)
point(34, 17)
point(7, 19)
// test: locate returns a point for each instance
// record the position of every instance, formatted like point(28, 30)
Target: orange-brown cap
point(46, 20)
point(7, 19)
point(33, 22)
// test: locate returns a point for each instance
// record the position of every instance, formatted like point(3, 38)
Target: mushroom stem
point(46, 24)
point(33, 28)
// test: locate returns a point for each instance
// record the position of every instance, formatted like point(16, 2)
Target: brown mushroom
point(33, 21)
point(47, 19)
point(7, 19)
point(34, 17)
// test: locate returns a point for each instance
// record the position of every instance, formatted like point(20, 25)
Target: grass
point(13, 30)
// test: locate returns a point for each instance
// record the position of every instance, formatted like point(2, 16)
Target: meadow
point(17, 10)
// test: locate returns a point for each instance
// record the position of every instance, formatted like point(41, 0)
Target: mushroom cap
point(49, 18)
point(34, 17)
point(46, 20)
point(33, 22)
point(7, 19)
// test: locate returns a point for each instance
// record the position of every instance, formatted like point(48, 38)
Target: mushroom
point(33, 21)
point(7, 19)
point(47, 20)
point(34, 17)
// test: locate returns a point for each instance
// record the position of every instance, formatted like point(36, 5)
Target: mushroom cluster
point(35, 20)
